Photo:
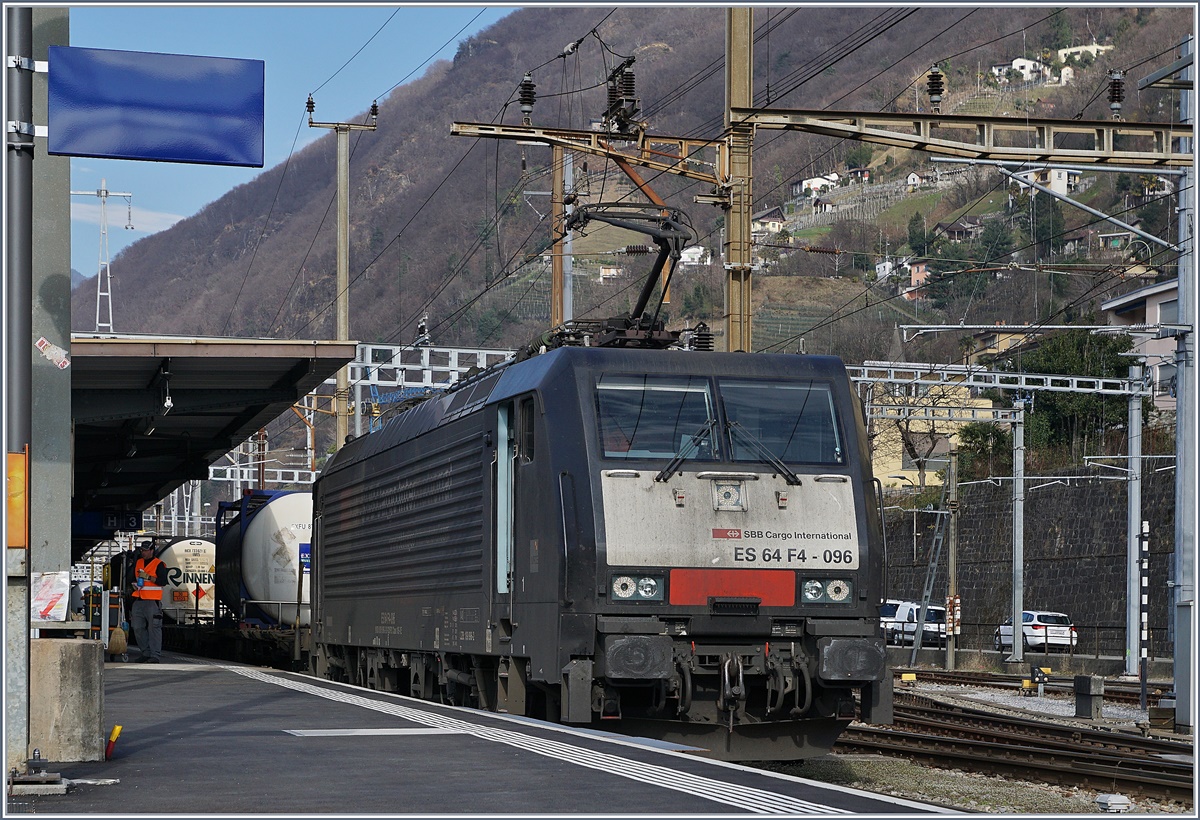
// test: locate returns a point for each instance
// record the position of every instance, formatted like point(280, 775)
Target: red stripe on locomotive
point(775, 587)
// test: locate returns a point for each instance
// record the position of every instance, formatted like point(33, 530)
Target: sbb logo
point(734, 534)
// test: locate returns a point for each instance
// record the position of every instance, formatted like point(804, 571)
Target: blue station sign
point(146, 106)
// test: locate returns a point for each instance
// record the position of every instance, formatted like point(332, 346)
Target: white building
point(1058, 180)
point(1029, 70)
point(814, 185)
point(1079, 51)
point(1154, 305)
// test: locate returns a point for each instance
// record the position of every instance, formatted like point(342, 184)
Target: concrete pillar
point(66, 699)
point(1089, 696)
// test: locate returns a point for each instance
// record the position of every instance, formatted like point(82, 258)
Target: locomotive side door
point(503, 524)
point(510, 672)
point(525, 601)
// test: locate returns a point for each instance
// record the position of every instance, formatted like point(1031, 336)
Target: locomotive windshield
point(646, 416)
point(653, 416)
point(796, 421)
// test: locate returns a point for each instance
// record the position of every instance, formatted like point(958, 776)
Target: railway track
point(1114, 691)
point(955, 736)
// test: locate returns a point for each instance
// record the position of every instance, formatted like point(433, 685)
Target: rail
point(1114, 691)
point(1071, 755)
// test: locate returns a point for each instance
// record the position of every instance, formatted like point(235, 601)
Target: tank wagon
point(257, 595)
point(677, 544)
point(188, 596)
point(263, 547)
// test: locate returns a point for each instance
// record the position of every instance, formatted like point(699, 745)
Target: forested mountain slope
point(449, 226)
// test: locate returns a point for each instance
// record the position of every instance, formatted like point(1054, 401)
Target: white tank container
point(191, 569)
point(275, 550)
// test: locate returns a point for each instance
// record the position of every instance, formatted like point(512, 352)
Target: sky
point(344, 55)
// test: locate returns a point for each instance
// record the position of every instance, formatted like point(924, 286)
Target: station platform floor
point(202, 737)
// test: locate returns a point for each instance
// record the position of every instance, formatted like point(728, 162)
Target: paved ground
point(201, 738)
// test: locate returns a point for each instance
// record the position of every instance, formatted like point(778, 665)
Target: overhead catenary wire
point(429, 198)
point(515, 255)
point(292, 151)
point(1116, 279)
point(445, 283)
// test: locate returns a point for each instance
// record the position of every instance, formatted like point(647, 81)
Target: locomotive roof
point(511, 379)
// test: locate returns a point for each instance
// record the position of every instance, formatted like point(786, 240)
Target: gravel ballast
point(971, 792)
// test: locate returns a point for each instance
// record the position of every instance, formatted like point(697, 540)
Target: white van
point(903, 627)
point(887, 618)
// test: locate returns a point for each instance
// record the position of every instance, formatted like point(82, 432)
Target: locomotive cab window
point(796, 421)
point(654, 416)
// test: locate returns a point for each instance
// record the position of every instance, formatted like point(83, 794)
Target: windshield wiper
point(686, 450)
point(764, 453)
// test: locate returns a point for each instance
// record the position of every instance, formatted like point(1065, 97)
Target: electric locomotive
point(684, 542)
point(679, 544)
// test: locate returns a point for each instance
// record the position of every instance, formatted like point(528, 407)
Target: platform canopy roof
point(149, 413)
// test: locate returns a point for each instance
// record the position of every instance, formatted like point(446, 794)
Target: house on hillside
point(1115, 240)
point(823, 205)
point(1075, 52)
point(1028, 70)
point(989, 345)
point(769, 221)
point(1078, 242)
point(858, 175)
point(695, 255)
point(1154, 305)
point(1058, 180)
point(916, 448)
point(960, 230)
point(815, 185)
point(918, 275)
point(913, 181)
point(1031, 70)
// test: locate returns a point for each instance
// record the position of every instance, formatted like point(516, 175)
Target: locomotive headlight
point(638, 587)
point(624, 587)
point(827, 591)
point(838, 590)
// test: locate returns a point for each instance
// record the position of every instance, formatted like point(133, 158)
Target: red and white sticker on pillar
point(59, 357)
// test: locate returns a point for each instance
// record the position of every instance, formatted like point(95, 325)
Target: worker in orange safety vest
point(148, 576)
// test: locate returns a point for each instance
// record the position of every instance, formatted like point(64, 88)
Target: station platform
point(202, 737)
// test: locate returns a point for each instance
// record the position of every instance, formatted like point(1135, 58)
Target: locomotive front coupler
point(733, 684)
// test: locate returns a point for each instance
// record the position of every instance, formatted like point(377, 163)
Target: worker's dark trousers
point(146, 620)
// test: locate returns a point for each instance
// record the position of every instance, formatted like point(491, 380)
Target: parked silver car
point(1039, 630)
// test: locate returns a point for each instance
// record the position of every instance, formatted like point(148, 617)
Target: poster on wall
point(49, 593)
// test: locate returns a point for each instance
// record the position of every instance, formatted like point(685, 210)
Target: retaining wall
point(1075, 548)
